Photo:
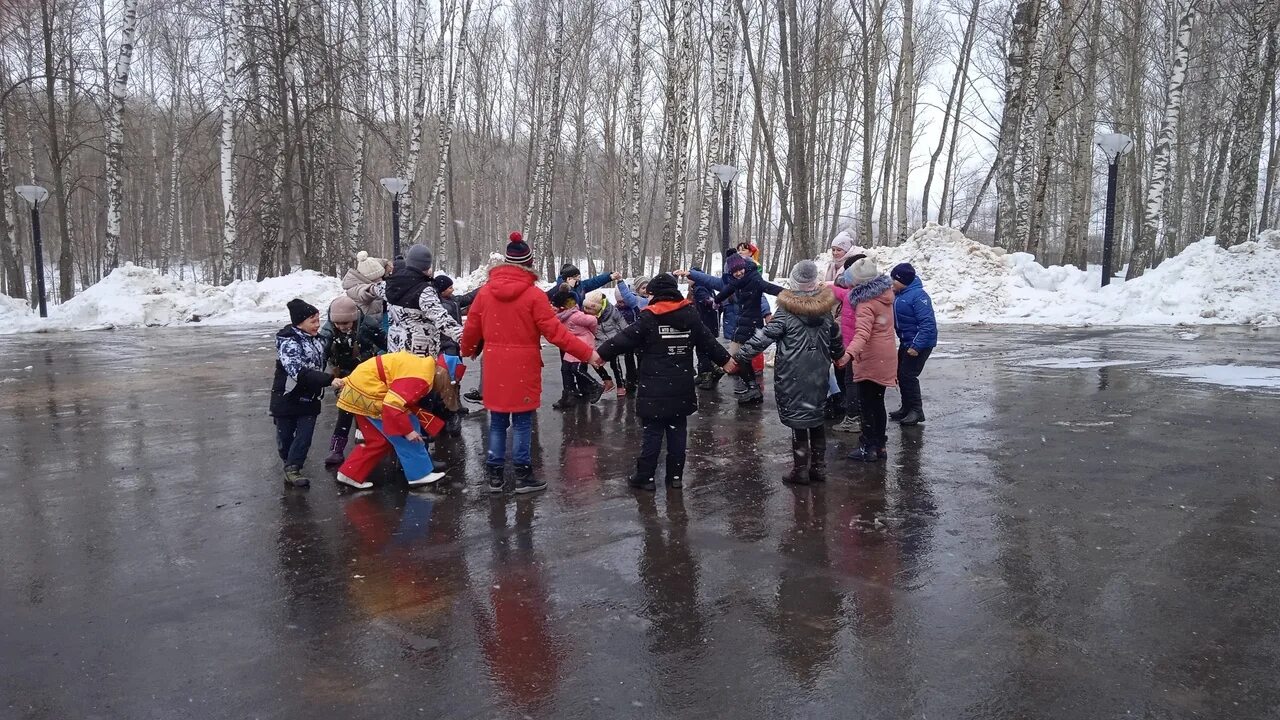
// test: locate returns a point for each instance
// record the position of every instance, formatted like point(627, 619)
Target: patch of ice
point(1237, 376)
point(946, 355)
point(1077, 363)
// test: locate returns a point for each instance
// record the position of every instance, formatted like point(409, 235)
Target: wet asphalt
point(1078, 543)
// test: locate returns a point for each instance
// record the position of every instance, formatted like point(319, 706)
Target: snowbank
point(133, 296)
point(973, 282)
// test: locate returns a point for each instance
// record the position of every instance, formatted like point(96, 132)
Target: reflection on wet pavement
point(1086, 537)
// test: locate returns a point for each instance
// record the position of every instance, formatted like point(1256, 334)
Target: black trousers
point(576, 377)
point(909, 369)
point(809, 446)
point(676, 432)
point(875, 420)
point(633, 376)
point(342, 428)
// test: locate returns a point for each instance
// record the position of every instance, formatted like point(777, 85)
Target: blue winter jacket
point(705, 302)
point(730, 310)
point(750, 290)
point(913, 317)
point(583, 287)
point(631, 298)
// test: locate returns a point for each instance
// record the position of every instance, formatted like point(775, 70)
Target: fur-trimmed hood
point(808, 305)
point(870, 290)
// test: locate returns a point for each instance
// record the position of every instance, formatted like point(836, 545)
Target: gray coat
point(808, 342)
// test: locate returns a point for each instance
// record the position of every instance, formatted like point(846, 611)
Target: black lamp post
point(725, 174)
point(396, 186)
point(1113, 145)
point(34, 195)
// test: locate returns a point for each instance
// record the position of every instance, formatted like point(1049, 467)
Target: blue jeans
point(293, 438)
point(415, 460)
point(521, 454)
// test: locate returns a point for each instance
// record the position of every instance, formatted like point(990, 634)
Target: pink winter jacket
point(875, 345)
point(848, 318)
point(583, 326)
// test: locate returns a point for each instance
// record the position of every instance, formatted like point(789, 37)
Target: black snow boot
point(799, 474)
point(817, 458)
point(675, 472)
point(593, 395)
point(526, 482)
point(639, 482)
point(567, 400)
point(868, 454)
point(898, 414)
point(473, 396)
point(497, 483)
point(914, 417)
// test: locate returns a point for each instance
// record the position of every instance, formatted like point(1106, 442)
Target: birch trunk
point(356, 221)
point(15, 280)
point(955, 98)
point(115, 131)
point(1076, 241)
point(636, 122)
point(1153, 217)
point(1250, 112)
point(906, 121)
point(1018, 81)
point(227, 149)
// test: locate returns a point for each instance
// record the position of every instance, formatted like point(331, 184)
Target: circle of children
point(393, 343)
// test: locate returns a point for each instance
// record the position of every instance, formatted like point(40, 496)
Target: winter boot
point(898, 414)
point(914, 417)
point(453, 426)
point(753, 396)
point(567, 400)
point(352, 482)
point(526, 482)
point(592, 396)
point(293, 477)
point(867, 453)
point(817, 458)
point(675, 472)
point(474, 396)
point(497, 483)
point(337, 445)
point(640, 482)
point(799, 474)
point(850, 424)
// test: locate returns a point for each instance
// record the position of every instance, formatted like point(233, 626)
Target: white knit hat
point(863, 270)
point(372, 268)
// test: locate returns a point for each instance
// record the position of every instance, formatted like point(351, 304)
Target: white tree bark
point(635, 122)
point(115, 131)
point(1251, 105)
point(1018, 80)
point(1153, 216)
point(418, 81)
point(227, 149)
point(355, 230)
point(907, 116)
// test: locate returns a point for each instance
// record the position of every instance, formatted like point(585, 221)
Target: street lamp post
point(34, 195)
point(725, 174)
point(1113, 145)
point(396, 186)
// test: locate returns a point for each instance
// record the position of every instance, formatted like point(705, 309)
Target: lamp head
point(395, 185)
point(1113, 145)
point(724, 173)
point(33, 194)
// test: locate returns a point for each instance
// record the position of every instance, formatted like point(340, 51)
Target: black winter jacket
point(347, 350)
point(665, 336)
point(455, 306)
point(300, 378)
point(808, 341)
point(747, 291)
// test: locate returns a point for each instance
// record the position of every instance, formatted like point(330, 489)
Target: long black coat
point(665, 336)
point(808, 341)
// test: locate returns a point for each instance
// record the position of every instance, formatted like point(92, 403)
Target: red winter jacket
point(507, 321)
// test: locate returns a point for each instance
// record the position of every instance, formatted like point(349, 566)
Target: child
point(917, 336)
point(509, 318)
point(349, 340)
point(665, 336)
point(298, 387)
point(579, 386)
point(384, 394)
point(704, 300)
point(750, 288)
point(852, 422)
point(609, 322)
point(365, 285)
point(454, 305)
point(871, 349)
point(808, 341)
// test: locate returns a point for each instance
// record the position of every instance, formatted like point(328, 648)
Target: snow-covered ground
point(969, 282)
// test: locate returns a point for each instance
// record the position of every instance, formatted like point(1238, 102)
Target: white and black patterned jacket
point(417, 316)
point(300, 378)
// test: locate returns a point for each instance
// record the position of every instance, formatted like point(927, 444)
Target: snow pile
point(133, 296)
point(973, 282)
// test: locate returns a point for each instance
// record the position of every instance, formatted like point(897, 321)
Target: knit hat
point(370, 267)
point(300, 310)
point(343, 310)
point(596, 296)
point(843, 242)
point(664, 287)
point(641, 283)
point(518, 252)
point(804, 277)
point(903, 273)
point(735, 263)
point(569, 270)
point(418, 258)
point(862, 271)
point(441, 283)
